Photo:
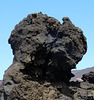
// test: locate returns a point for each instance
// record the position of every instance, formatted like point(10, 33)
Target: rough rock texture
point(89, 77)
point(45, 45)
point(44, 52)
point(20, 87)
point(81, 91)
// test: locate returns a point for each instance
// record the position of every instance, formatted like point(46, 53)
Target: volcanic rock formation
point(46, 47)
point(44, 52)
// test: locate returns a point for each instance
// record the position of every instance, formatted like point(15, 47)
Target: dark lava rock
point(44, 52)
point(47, 47)
point(89, 77)
point(82, 91)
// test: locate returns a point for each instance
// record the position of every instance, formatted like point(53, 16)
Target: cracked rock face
point(44, 52)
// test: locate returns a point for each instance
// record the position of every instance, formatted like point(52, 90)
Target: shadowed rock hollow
point(44, 52)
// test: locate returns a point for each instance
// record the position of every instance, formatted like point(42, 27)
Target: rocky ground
point(45, 51)
point(34, 90)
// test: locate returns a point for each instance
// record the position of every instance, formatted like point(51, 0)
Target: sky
point(80, 12)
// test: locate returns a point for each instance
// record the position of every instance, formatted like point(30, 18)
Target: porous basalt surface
point(44, 52)
point(47, 47)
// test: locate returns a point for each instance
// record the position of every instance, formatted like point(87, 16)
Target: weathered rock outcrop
point(81, 91)
point(46, 47)
point(89, 77)
point(44, 52)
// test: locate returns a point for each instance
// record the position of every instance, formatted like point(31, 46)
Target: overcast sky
point(80, 12)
